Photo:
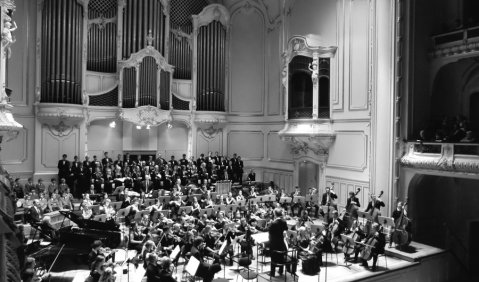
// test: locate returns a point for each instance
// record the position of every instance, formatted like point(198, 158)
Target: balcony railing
point(452, 157)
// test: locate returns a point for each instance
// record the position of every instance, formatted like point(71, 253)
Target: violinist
point(165, 270)
point(205, 270)
point(136, 237)
point(240, 196)
point(372, 246)
point(230, 200)
point(169, 241)
point(148, 249)
point(152, 268)
point(228, 236)
point(196, 208)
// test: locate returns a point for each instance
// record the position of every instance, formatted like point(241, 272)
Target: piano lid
point(90, 224)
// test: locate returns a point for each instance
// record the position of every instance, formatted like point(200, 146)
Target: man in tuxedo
point(106, 161)
point(200, 160)
point(374, 207)
point(34, 214)
point(147, 185)
point(277, 232)
point(95, 164)
point(18, 189)
point(86, 164)
point(184, 161)
point(74, 171)
point(63, 167)
point(173, 162)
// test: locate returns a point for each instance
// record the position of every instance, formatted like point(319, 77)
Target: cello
point(374, 244)
point(400, 235)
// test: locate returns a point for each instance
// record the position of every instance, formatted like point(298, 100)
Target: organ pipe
point(211, 67)
point(102, 48)
point(139, 18)
point(61, 58)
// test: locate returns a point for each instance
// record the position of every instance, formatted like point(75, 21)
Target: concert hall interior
point(261, 140)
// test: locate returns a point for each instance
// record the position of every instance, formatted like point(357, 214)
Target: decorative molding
point(210, 132)
point(447, 160)
point(149, 51)
point(179, 35)
point(102, 22)
point(213, 12)
point(53, 114)
point(145, 115)
point(60, 130)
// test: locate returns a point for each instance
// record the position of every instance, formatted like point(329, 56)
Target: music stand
point(386, 221)
point(365, 216)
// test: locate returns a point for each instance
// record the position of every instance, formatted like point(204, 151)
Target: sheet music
point(175, 252)
point(192, 266)
point(261, 237)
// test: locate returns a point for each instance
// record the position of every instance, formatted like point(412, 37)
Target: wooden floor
point(334, 269)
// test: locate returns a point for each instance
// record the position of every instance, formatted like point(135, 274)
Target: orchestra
point(185, 216)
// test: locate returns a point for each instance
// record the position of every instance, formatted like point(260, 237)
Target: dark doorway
point(474, 247)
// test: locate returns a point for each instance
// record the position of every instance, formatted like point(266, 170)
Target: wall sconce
point(138, 127)
point(169, 125)
point(112, 124)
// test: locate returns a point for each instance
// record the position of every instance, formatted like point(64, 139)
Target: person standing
point(277, 231)
point(63, 167)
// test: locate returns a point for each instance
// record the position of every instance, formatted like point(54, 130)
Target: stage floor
point(334, 269)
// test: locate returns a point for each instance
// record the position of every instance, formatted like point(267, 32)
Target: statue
point(8, 27)
point(7, 37)
point(313, 67)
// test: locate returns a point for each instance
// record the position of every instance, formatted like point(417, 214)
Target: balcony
point(458, 42)
point(457, 158)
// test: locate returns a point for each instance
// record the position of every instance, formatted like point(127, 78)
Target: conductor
point(277, 231)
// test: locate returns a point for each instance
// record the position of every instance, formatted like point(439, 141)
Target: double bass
point(400, 235)
point(374, 213)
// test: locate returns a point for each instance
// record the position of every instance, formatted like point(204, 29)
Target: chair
point(246, 273)
point(385, 259)
point(284, 259)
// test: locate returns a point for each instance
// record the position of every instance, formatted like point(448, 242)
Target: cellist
point(373, 245)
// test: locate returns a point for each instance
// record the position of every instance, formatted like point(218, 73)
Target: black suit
point(276, 240)
point(34, 214)
point(153, 273)
point(324, 199)
point(63, 169)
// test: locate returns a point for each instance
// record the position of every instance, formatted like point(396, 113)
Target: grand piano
point(73, 243)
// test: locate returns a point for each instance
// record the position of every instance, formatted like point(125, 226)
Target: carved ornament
point(447, 160)
point(53, 114)
point(213, 12)
point(101, 22)
point(136, 58)
point(145, 115)
point(305, 136)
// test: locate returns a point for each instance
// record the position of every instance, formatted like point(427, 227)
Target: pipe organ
point(61, 51)
point(210, 32)
point(102, 34)
point(122, 54)
point(141, 19)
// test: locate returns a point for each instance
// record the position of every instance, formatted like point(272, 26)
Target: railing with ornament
point(452, 157)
